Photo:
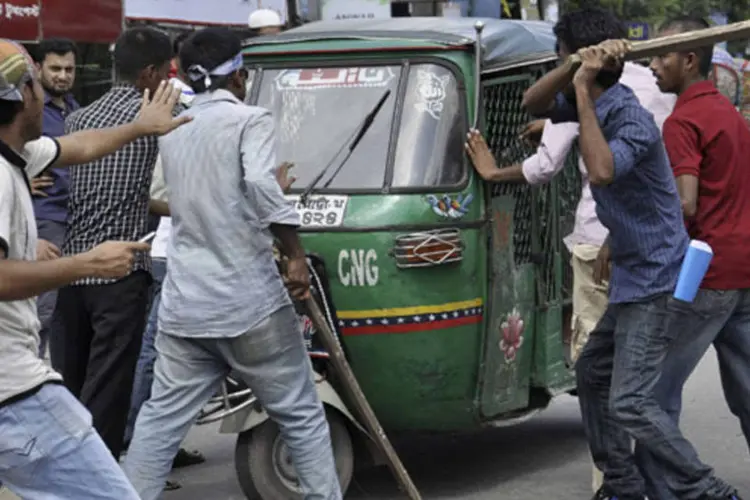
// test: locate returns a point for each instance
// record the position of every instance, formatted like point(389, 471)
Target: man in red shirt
point(708, 143)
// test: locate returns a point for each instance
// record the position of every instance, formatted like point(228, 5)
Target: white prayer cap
point(264, 18)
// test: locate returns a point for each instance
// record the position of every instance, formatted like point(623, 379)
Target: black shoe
point(604, 494)
point(172, 485)
point(731, 496)
point(187, 458)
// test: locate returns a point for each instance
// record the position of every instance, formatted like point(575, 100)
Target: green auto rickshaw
point(449, 296)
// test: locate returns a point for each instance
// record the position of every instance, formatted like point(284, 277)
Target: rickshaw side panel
point(412, 335)
point(527, 294)
point(507, 361)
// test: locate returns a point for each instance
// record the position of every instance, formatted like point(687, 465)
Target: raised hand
point(593, 60)
point(480, 154)
point(156, 116)
point(283, 178)
point(531, 133)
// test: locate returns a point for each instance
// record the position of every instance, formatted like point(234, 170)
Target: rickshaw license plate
point(321, 210)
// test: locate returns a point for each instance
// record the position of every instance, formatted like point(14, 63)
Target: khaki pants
point(589, 303)
point(6, 494)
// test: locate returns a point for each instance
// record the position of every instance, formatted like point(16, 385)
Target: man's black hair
point(588, 26)
point(179, 40)
point(58, 46)
point(138, 48)
point(209, 48)
point(684, 24)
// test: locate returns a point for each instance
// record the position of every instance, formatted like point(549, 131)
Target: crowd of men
point(139, 341)
point(658, 170)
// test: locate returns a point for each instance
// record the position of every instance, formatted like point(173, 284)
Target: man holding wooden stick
point(637, 201)
point(224, 306)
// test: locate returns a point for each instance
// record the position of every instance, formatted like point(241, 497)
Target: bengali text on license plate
point(321, 210)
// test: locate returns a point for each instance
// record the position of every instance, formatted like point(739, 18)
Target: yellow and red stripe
point(411, 319)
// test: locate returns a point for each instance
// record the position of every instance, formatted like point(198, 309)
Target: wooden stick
point(358, 399)
point(689, 40)
point(686, 41)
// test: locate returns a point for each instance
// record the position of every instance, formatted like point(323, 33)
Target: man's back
point(641, 207)
point(708, 138)
point(109, 198)
point(222, 278)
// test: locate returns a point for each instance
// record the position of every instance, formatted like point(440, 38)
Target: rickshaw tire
point(253, 459)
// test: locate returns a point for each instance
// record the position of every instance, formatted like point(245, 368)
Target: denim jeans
point(54, 232)
point(617, 375)
point(272, 360)
point(144, 370)
point(721, 317)
point(50, 451)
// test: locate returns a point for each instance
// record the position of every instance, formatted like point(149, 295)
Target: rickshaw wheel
point(264, 467)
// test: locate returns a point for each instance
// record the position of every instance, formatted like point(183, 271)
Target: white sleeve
point(552, 153)
point(158, 185)
point(661, 106)
point(40, 155)
point(6, 210)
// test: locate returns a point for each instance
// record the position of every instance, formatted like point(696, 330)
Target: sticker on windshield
point(327, 78)
point(321, 210)
point(431, 92)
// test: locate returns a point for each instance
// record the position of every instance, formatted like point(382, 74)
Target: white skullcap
point(264, 18)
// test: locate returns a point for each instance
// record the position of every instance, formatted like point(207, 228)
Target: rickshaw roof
point(505, 42)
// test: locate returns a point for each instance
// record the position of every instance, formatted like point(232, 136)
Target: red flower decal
point(511, 331)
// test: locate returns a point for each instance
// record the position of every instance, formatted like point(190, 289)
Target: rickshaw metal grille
point(543, 214)
point(503, 119)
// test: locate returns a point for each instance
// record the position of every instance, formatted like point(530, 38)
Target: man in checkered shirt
point(104, 320)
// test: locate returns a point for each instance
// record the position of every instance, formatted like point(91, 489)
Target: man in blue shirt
point(56, 62)
point(637, 200)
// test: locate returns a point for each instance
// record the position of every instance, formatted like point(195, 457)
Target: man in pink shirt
point(590, 296)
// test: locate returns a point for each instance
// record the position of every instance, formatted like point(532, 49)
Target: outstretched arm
point(22, 279)
point(155, 118)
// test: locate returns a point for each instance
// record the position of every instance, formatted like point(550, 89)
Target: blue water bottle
point(694, 266)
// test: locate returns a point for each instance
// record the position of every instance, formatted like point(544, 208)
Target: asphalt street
point(543, 458)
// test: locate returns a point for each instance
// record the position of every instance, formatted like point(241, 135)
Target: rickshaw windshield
point(318, 110)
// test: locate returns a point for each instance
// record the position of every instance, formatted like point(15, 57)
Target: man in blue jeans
point(144, 372)
point(224, 306)
point(637, 200)
point(708, 143)
point(49, 448)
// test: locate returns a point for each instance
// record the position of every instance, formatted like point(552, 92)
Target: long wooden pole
point(358, 399)
point(689, 40)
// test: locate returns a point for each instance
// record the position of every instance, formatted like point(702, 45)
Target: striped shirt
point(641, 207)
point(109, 197)
point(222, 279)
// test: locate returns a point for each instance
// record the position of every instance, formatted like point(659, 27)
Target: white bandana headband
point(196, 71)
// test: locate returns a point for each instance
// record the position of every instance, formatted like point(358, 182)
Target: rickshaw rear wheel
point(264, 467)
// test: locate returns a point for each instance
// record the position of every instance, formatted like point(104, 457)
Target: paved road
point(543, 458)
